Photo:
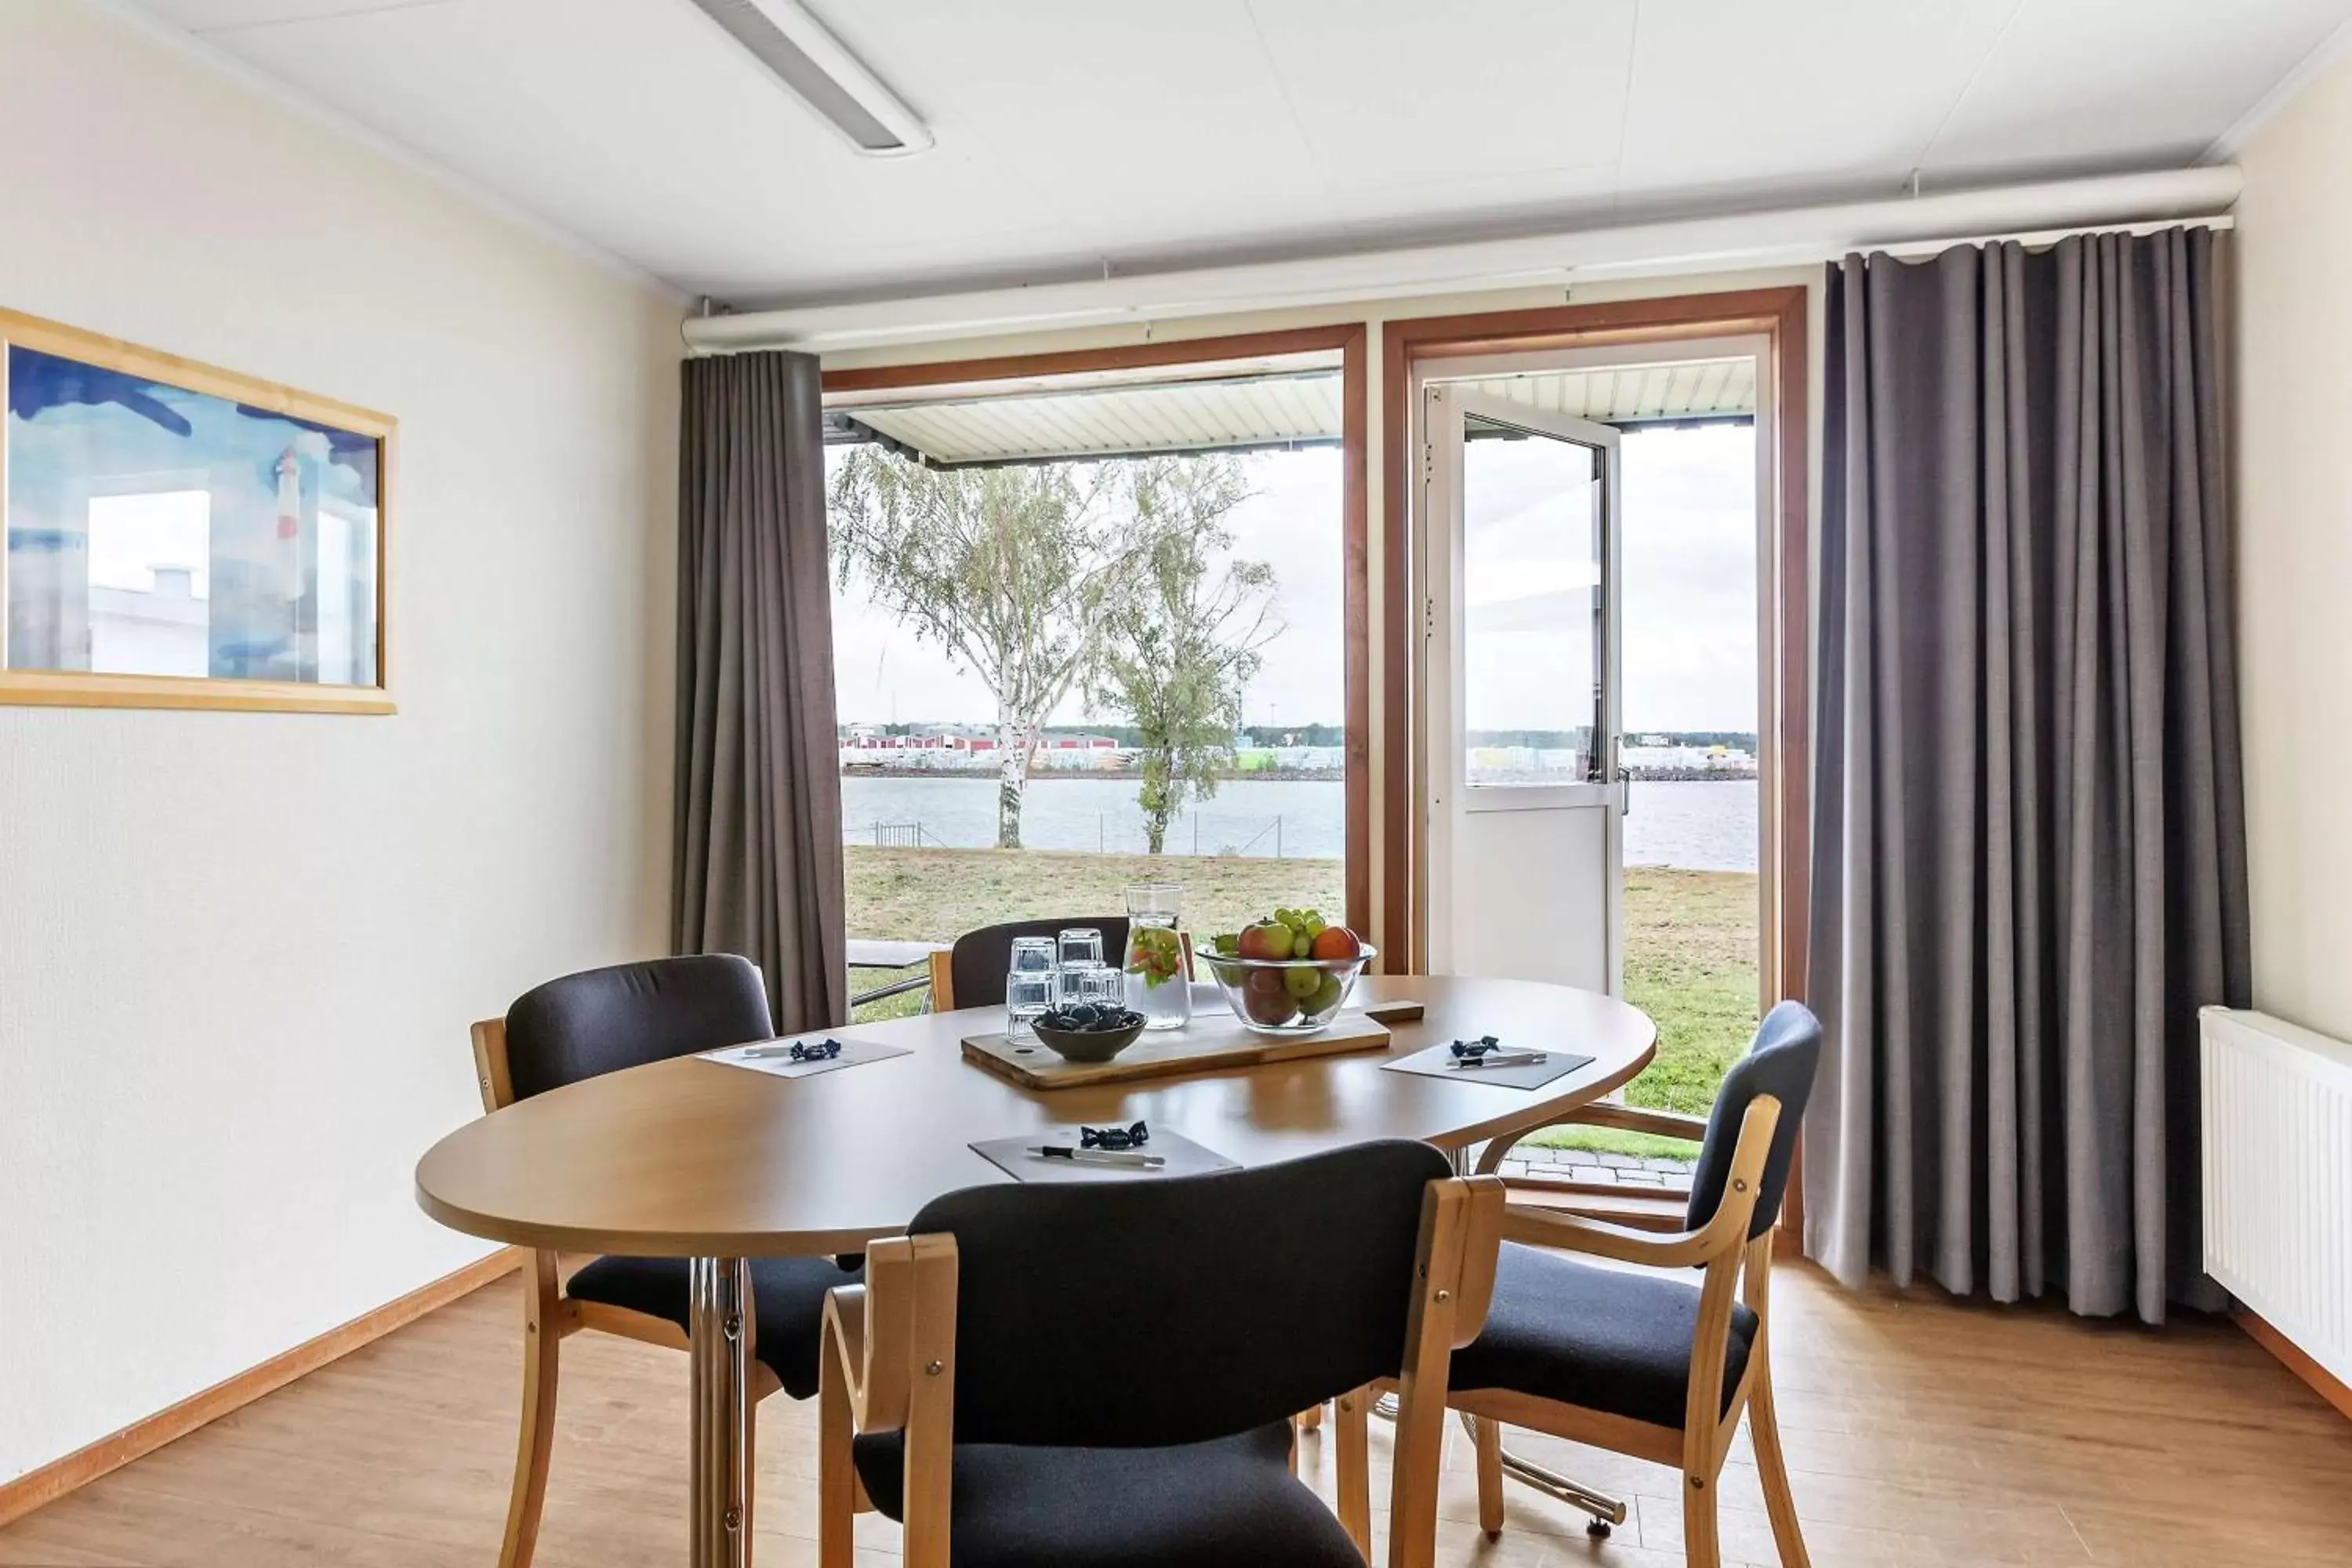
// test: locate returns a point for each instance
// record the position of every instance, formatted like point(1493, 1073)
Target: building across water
point(869, 747)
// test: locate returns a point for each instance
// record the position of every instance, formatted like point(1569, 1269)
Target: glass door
point(1526, 799)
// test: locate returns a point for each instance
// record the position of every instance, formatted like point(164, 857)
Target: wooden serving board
point(1216, 1041)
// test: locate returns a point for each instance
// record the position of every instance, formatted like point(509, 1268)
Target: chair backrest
point(1781, 1063)
point(1143, 1313)
point(602, 1020)
point(976, 965)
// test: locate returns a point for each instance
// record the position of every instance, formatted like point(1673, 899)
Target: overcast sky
point(1689, 598)
point(1690, 579)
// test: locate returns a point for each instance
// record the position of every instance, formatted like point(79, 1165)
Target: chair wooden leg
point(1310, 1418)
point(837, 1490)
point(1702, 1547)
point(1773, 1471)
point(1351, 1432)
point(1413, 1495)
point(1490, 1476)
point(536, 1443)
point(930, 1406)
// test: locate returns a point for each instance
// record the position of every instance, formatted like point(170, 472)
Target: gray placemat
point(1436, 1062)
point(1184, 1157)
point(773, 1056)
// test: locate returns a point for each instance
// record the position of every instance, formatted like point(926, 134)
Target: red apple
point(1338, 942)
point(1267, 999)
point(1267, 939)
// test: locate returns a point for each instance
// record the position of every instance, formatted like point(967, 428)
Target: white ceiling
point(1076, 135)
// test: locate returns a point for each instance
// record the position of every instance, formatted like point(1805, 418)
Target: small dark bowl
point(1090, 1045)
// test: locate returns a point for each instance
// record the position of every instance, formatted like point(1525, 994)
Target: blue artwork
point(153, 530)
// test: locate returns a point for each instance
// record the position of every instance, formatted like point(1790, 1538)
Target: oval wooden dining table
point(695, 1159)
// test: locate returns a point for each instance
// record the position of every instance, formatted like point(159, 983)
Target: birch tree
point(1183, 644)
point(1009, 570)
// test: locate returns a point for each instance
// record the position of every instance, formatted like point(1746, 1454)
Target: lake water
point(1701, 825)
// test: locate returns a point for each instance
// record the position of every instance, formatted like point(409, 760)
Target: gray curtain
point(2029, 864)
point(757, 866)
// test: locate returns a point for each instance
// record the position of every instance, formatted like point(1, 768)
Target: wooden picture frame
point(322, 436)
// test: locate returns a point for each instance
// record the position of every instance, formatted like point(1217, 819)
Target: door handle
point(1624, 782)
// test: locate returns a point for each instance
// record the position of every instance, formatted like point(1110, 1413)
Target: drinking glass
point(1096, 983)
point(1081, 944)
point(1027, 998)
point(1032, 984)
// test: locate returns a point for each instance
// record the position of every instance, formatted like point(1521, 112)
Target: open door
point(1526, 798)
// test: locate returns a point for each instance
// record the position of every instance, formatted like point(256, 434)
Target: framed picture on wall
point(179, 536)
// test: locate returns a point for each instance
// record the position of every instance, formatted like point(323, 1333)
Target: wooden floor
point(1919, 1433)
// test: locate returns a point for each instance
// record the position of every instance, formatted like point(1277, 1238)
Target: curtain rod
point(1782, 238)
point(2048, 235)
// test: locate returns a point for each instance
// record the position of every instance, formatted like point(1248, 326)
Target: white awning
point(1637, 393)
point(1239, 407)
point(1288, 410)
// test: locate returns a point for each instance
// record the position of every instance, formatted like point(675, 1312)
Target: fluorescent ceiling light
point(784, 36)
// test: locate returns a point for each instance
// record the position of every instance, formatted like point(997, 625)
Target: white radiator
point(2278, 1177)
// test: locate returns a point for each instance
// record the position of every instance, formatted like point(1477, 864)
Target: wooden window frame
point(1349, 340)
point(89, 688)
point(1779, 315)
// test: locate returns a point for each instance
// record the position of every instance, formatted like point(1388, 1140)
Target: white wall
point(2295, 551)
point(238, 953)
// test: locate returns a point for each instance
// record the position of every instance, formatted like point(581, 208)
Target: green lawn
point(935, 895)
point(1690, 938)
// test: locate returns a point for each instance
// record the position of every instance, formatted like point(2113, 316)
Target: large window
point(1060, 675)
point(1690, 745)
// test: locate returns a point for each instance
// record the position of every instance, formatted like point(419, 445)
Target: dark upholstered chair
point(972, 974)
point(1649, 1363)
point(578, 1028)
point(1053, 1374)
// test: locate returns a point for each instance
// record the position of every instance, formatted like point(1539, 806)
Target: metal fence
point(1194, 833)
point(907, 836)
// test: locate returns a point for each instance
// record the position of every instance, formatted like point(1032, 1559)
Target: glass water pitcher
point(1157, 984)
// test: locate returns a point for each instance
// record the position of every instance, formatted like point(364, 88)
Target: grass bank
point(1690, 936)
point(936, 895)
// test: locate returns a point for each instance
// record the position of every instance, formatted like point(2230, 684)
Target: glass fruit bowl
point(1285, 996)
